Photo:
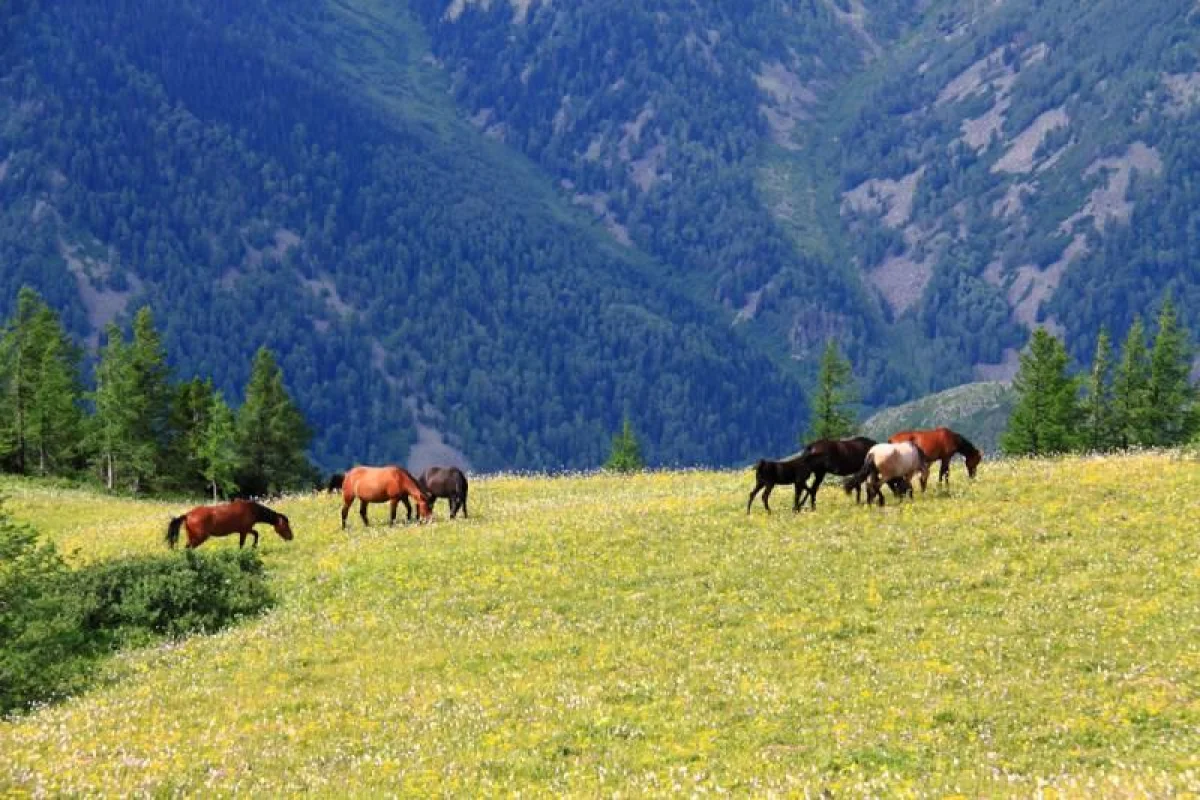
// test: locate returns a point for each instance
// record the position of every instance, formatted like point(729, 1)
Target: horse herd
point(865, 461)
point(390, 484)
point(862, 460)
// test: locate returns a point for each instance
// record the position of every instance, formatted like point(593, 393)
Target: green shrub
point(56, 622)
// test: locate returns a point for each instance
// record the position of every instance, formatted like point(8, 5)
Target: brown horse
point(447, 482)
point(238, 517)
point(940, 444)
point(381, 485)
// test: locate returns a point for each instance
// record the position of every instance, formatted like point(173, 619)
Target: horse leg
point(455, 502)
point(241, 539)
point(801, 488)
point(750, 502)
point(255, 536)
point(394, 504)
point(818, 476)
point(346, 510)
point(944, 472)
point(362, 512)
point(767, 493)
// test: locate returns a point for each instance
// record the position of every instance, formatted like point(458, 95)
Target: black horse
point(448, 482)
point(335, 482)
point(769, 474)
point(818, 459)
point(834, 456)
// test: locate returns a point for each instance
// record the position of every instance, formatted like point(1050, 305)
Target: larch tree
point(1043, 420)
point(1131, 384)
point(833, 401)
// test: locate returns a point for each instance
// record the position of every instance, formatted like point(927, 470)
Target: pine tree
point(1169, 392)
point(114, 421)
point(832, 415)
point(217, 449)
point(1043, 419)
point(271, 433)
point(191, 407)
point(151, 398)
point(626, 453)
point(20, 357)
point(1131, 389)
point(1097, 405)
point(55, 417)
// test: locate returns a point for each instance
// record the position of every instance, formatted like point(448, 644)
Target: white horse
point(885, 462)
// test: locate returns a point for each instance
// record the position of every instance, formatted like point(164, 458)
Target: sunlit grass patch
point(1032, 629)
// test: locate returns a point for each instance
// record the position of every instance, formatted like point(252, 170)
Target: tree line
point(134, 428)
point(1144, 398)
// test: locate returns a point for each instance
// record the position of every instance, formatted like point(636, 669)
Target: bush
point(55, 623)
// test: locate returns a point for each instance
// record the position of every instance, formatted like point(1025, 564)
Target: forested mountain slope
point(513, 222)
point(292, 174)
point(933, 177)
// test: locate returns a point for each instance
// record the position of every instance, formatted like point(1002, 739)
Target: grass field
point(1036, 630)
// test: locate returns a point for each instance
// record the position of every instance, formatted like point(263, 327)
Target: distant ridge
point(978, 411)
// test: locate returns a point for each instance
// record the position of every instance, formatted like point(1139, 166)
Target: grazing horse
point(941, 444)
point(448, 482)
point(834, 456)
point(888, 462)
point(769, 474)
point(335, 482)
point(381, 485)
point(239, 516)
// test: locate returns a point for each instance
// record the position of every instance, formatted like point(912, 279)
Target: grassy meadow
point(1036, 630)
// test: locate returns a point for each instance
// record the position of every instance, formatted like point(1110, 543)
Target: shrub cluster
point(56, 622)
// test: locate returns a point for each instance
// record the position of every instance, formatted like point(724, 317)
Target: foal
point(769, 474)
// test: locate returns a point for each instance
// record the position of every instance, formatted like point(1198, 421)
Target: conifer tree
point(114, 421)
point(271, 433)
point(626, 453)
point(1097, 405)
point(151, 400)
point(217, 449)
point(191, 405)
point(20, 364)
point(832, 415)
point(55, 418)
point(1130, 389)
point(1169, 393)
point(1043, 419)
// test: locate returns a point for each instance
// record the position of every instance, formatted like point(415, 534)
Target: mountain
point(495, 228)
point(294, 174)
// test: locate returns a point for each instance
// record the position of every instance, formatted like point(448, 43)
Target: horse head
point(973, 463)
point(283, 528)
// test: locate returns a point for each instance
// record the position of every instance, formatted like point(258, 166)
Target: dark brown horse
point(836, 457)
point(382, 485)
point(941, 444)
point(447, 482)
point(335, 482)
point(238, 517)
point(769, 474)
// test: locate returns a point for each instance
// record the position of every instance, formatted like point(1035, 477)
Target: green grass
point(1034, 628)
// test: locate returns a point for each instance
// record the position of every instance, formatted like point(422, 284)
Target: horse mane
point(264, 514)
point(964, 444)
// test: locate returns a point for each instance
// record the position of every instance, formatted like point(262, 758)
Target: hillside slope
point(979, 411)
point(293, 174)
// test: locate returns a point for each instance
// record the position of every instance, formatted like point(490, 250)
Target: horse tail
point(172, 537)
point(856, 480)
point(462, 490)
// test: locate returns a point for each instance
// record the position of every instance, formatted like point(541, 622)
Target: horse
point(941, 444)
point(448, 482)
point(769, 474)
point(379, 485)
point(889, 462)
point(335, 482)
point(239, 516)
